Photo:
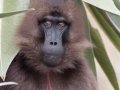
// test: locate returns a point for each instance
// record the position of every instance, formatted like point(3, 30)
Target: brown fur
point(27, 68)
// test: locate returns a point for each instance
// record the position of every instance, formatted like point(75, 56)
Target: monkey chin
point(52, 60)
point(59, 66)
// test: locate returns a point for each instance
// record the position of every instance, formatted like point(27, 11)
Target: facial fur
point(29, 37)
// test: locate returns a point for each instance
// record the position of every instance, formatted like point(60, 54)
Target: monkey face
point(53, 37)
point(53, 28)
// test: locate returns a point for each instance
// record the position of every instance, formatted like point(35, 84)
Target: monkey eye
point(61, 25)
point(47, 23)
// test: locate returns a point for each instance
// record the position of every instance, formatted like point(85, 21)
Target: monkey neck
point(60, 79)
point(49, 87)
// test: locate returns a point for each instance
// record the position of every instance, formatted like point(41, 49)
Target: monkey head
point(53, 36)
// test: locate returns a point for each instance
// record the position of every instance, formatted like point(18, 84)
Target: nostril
point(51, 43)
point(55, 43)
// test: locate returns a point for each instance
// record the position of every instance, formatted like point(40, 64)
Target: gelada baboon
point(52, 40)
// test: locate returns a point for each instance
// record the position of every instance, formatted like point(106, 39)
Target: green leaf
point(103, 4)
point(90, 59)
point(103, 59)
point(89, 52)
point(115, 20)
point(108, 29)
point(117, 3)
point(9, 25)
point(2, 15)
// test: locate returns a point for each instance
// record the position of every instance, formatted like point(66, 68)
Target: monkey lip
point(52, 60)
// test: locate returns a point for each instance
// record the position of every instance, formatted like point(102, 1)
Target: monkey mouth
point(51, 60)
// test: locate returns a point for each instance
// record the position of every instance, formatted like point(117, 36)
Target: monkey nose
point(53, 51)
point(53, 43)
